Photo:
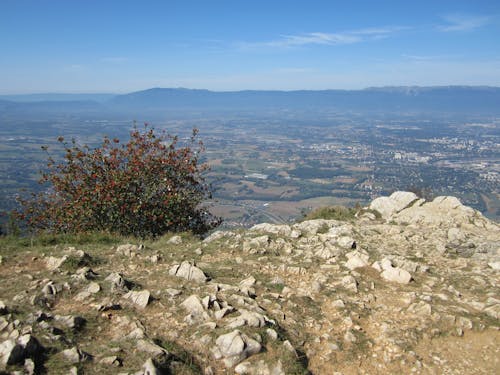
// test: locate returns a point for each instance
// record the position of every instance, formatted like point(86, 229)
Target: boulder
point(128, 249)
point(281, 230)
point(397, 201)
point(118, 283)
point(249, 318)
point(139, 299)
point(445, 210)
point(397, 275)
point(16, 351)
point(75, 355)
point(356, 261)
point(234, 347)
point(189, 272)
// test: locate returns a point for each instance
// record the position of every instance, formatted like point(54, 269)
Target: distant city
point(275, 162)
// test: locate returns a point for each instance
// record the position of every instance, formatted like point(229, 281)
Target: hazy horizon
point(111, 93)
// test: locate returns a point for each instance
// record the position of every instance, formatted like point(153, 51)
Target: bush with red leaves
point(145, 188)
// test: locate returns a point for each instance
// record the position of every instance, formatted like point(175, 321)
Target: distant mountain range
point(460, 99)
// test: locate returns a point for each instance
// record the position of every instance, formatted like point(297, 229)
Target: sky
point(119, 46)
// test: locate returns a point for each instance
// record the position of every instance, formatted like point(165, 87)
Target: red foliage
point(145, 187)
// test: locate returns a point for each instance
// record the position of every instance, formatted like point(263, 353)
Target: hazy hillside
point(449, 99)
point(459, 99)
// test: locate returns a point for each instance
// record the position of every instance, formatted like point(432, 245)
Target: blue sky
point(121, 46)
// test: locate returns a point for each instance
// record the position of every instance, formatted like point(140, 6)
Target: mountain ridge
point(475, 99)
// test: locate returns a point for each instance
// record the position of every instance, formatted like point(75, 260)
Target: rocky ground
point(406, 287)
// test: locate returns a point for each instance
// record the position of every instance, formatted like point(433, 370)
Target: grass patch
point(332, 213)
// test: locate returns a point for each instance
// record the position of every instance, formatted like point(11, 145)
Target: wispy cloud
point(461, 22)
point(328, 39)
point(422, 58)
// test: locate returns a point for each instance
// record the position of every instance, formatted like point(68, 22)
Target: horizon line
point(241, 90)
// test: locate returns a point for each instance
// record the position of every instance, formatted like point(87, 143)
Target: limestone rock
point(188, 271)
point(149, 368)
point(16, 351)
point(396, 275)
point(51, 289)
point(420, 308)
point(350, 283)
point(234, 347)
point(128, 249)
point(75, 355)
point(193, 305)
point(195, 308)
point(345, 242)
point(249, 318)
point(175, 240)
point(356, 262)
point(444, 210)
point(280, 230)
point(85, 273)
point(139, 299)
point(397, 201)
point(53, 263)
point(495, 265)
point(259, 368)
point(112, 360)
point(150, 347)
point(217, 235)
point(118, 282)
point(70, 321)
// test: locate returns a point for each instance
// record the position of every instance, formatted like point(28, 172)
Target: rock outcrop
point(412, 290)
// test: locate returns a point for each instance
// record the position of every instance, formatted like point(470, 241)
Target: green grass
point(331, 213)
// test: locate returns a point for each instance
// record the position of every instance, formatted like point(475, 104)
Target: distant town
point(276, 166)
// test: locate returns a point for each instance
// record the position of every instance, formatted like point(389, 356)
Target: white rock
point(93, 288)
point(350, 283)
point(188, 271)
point(75, 355)
point(376, 265)
point(397, 275)
point(118, 283)
point(345, 242)
point(54, 263)
point(175, 240)
point(127, 249)
point(249, 318)
point(420, 308)
point(140, 299)
point(386, 264)
point(150, 347)
point(494, 265)
point(281, 230)
point(150, 368)
point(387, 206)
point(356, 262)
point(234, 347)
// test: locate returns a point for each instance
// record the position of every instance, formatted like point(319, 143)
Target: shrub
point(146, 187)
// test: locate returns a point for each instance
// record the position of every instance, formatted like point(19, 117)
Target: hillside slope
point(413, 291)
